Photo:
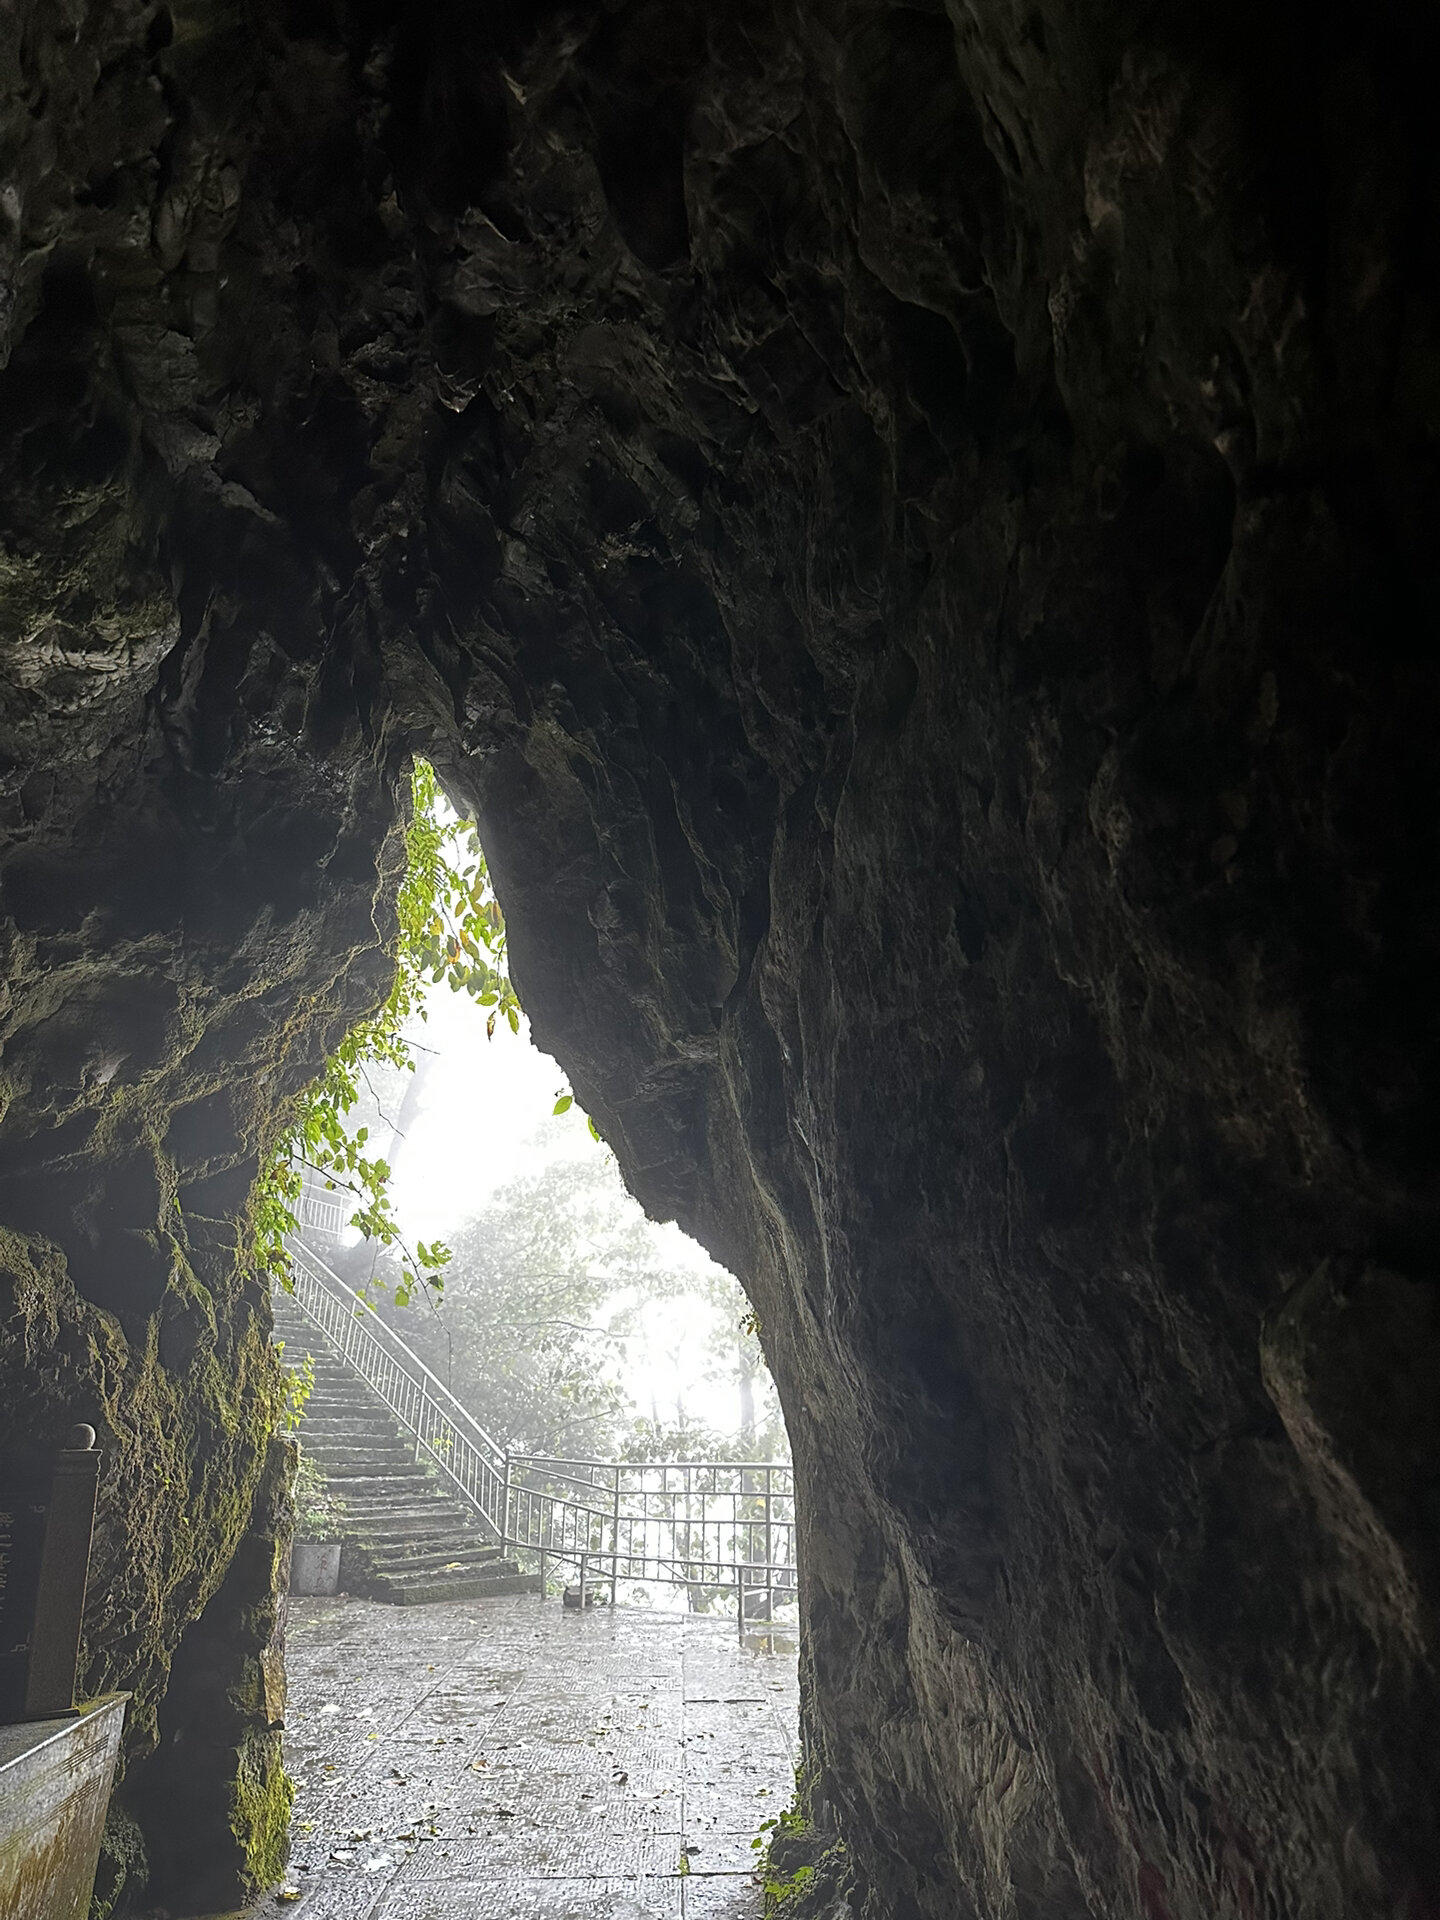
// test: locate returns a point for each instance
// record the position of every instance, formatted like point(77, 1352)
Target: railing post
point(615, 1541)
point(505, 1509)
point(769, 1555)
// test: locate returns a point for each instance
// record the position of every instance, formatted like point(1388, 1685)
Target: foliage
point(449, 930)
point(319, 1513)
point(563, 1304)
point(299, 1384)
point(536, 1319)
point(683, 1439)
point(802, 1870)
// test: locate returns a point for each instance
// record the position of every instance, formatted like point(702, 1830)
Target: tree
point(534, 1327)
point(561, 1299)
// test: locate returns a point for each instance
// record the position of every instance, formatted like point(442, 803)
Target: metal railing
point(707, 1526)
point(443, 1431)
point(321, 1215)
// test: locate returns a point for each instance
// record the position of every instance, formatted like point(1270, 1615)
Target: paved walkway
point(510, 1757)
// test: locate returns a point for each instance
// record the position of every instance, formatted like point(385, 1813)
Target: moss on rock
point(260, 1818)
point(124, 1864)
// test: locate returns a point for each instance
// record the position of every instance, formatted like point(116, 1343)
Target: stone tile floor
point(512, 1757)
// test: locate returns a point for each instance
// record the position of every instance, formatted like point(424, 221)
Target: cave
point(912, 528)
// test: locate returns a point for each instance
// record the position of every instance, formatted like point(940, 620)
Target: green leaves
point(451, 930)
point(299, 1384)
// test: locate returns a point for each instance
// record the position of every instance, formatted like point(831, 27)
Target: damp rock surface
point(915, 529)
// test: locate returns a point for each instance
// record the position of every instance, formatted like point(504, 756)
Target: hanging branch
point(450, 930)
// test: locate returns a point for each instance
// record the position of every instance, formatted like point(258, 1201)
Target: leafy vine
point(450, 931)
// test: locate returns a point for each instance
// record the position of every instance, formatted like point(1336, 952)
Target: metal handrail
point(443, 1429)
point(726, 1525)
point(656, 1466)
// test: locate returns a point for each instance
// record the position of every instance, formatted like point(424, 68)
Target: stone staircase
point(407, 1537)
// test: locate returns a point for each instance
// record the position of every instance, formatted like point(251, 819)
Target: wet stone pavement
point(512, 1757)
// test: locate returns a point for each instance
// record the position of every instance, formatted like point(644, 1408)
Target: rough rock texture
point(917, 531)
point(222, 1718)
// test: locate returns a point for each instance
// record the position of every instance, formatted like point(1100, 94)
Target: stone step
point(426, 1593)
point(408, 1503)
point(376, 1439)
point(448, 1542)
point(406, 1525)
point(358, 1413)
point(374, 1427)
point(340, 1387)
point(361, 1485)
point(417, 1497)
point(432, 1559)
point(356, 1459)
point(354, 1433)
point(398, 1478)
point(331, 1446)
point(338, 1412)
point(356, 1407)
point(441, 1545)
point(366, 1406)
point(342, 1472)
point(381, 1477)
point(394, 1556)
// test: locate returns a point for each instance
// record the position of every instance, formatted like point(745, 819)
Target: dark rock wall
point(917, 532)
point(192, 904)
point(222, 1720)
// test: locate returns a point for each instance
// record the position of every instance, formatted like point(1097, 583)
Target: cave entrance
point(511, 1388)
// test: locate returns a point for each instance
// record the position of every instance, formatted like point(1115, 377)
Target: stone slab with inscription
point(47, 1509)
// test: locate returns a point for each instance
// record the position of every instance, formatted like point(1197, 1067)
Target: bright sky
point(487, 1119)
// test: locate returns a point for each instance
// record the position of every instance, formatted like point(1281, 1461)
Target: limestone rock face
point(916, 531)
